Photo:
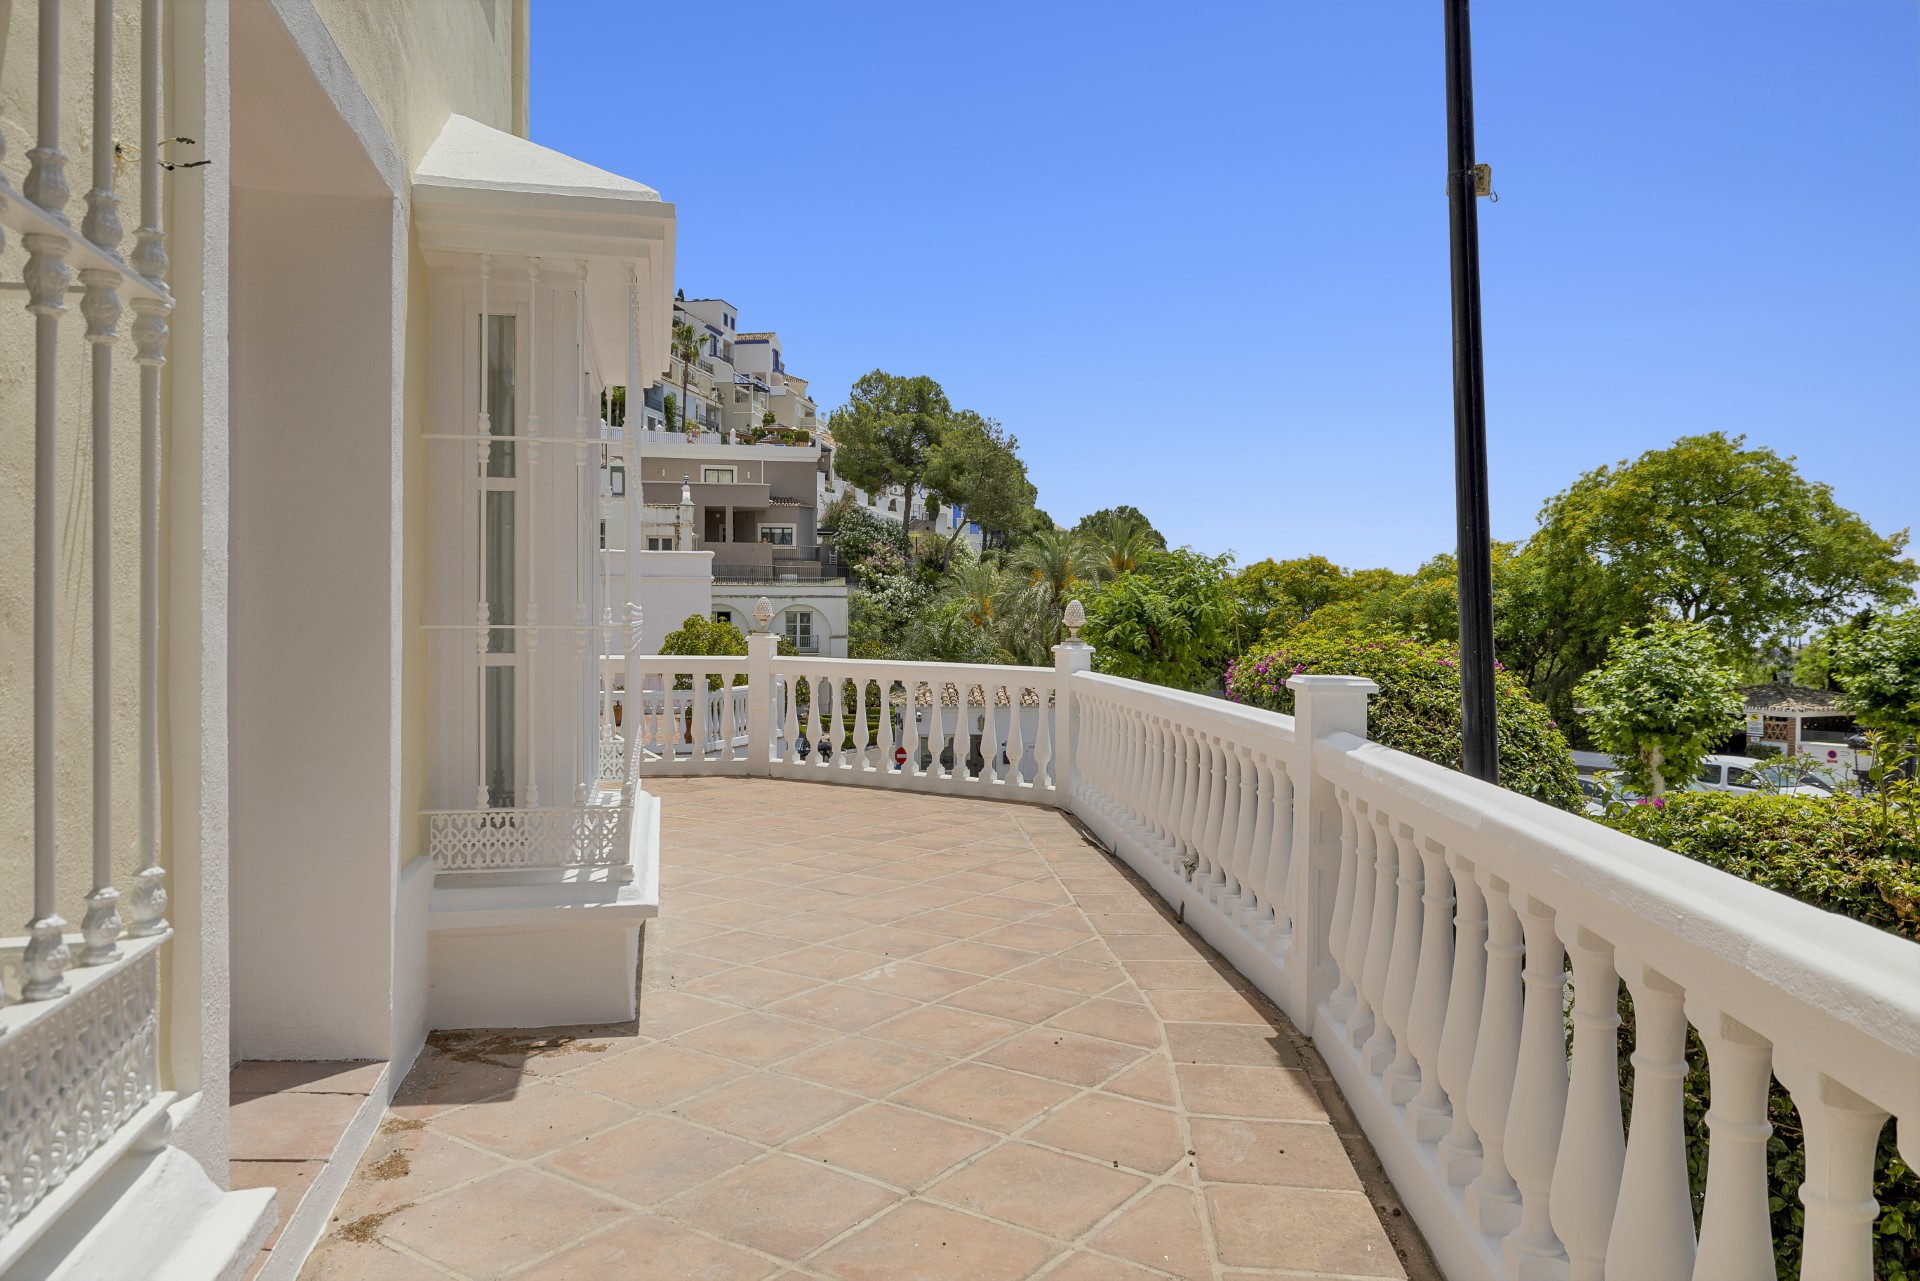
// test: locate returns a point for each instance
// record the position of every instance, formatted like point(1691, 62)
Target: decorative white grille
point(72, 1076)
point(505, 840)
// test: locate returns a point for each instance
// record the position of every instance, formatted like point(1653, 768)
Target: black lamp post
point(1479, 749)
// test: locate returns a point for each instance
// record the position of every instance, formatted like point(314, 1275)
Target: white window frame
point(800, 620)
point(516, 485)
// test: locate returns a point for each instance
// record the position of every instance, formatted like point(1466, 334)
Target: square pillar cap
point(1343, 684)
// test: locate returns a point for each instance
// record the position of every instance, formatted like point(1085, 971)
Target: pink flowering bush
point(1418, 707)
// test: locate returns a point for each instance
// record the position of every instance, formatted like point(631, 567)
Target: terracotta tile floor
point(882, 1038)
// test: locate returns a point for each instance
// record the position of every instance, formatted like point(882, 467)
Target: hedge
point(1856, 857)
point(1418, 707)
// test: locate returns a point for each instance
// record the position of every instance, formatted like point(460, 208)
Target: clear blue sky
point(1195, 257)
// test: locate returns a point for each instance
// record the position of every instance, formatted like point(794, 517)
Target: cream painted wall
point(73, 555)
point(420, 60)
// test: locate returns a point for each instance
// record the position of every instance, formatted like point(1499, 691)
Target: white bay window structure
point(547, 281)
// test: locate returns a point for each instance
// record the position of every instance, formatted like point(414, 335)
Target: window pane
point(497, 533)
point(1709, 773)
point(498, 357)
point(498, 731)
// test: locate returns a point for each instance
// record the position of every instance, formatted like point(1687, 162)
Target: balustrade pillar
point(1736, 1229)
point(1586, 1173)
point(1324, 707)
point(1378, 1051)
point(1402, 1075)
point(1359, 1021)
point(1539, 1097)
point(46, 275)
point(1493, 1198)
point(1069, 657)
point(1842, 1132)
point(146, 903)
point(1430, 1114)
point(1339, 926)
point(1459, 1151)
point(1653, 1222)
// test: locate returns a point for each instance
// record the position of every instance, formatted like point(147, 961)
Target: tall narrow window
point(498, 361)
point(498, 692)
point(497, 530)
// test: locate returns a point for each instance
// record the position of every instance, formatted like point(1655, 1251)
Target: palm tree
point(1119, 543)
point(1054, 562)
point(686, 349)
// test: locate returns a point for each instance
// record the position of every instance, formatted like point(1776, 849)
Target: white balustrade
point(1420, 925)
point(79, 1034)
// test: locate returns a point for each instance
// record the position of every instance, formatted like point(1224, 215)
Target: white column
point(1539, 1093)
point(1340, 1005)
point(1459, 1152)
point(483, 428)
point(1653, 1222)
point(1586, 1171)
point(1493, 1199)
point(535, 756)
point(1402, 1076)
point(1069, 657)
point(1431, 1113)
point(1842, 1131)
point(1323, 706)
point(47, 275)
point(1736, 1229)
point(146, 904)
point(101, 307)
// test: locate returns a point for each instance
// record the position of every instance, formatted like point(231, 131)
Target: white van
point(1745, 775)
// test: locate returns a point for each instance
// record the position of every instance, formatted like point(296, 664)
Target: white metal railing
point(78, 1048)
point(1420, 925)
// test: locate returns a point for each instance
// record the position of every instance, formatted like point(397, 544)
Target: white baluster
point(46, 274)
point(1359, 1021)
point(102, 925)
point(1243, 889)
point(1378, 1051)
point(1842, 1132)
point(146, 904)
point(1736, 1230)
point(1459, 1152)
point(1403, 1076)
point(1340, 1003)
point(1586, 1171)
point(1254, 909)
point(1539, 1094)
point(1493, 1198)
point(1653, 1223)
point(1431, 1114)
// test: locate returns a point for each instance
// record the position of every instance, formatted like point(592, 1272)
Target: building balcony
point(1085, 977)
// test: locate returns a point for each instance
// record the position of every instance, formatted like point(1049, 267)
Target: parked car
point(1744, 775)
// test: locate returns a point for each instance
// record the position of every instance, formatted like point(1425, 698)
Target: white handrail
point(1418, 923)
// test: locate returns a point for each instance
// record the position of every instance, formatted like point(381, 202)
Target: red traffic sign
point(900, 756)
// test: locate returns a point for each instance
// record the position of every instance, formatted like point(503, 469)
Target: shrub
point(700, 636)
point(1660, 702)
point(1856, 857)
point(1418, 707)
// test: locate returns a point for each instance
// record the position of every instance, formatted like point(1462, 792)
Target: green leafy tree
point(1877, 666)
point(1660, 702)
point(670, 410)
point(1096, 523)
point(1710, 531)
point(1418, 707)
point(700, 636)
point(1168, 623)
point(976, 467)
point(1275, 596)
point(886, 433)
